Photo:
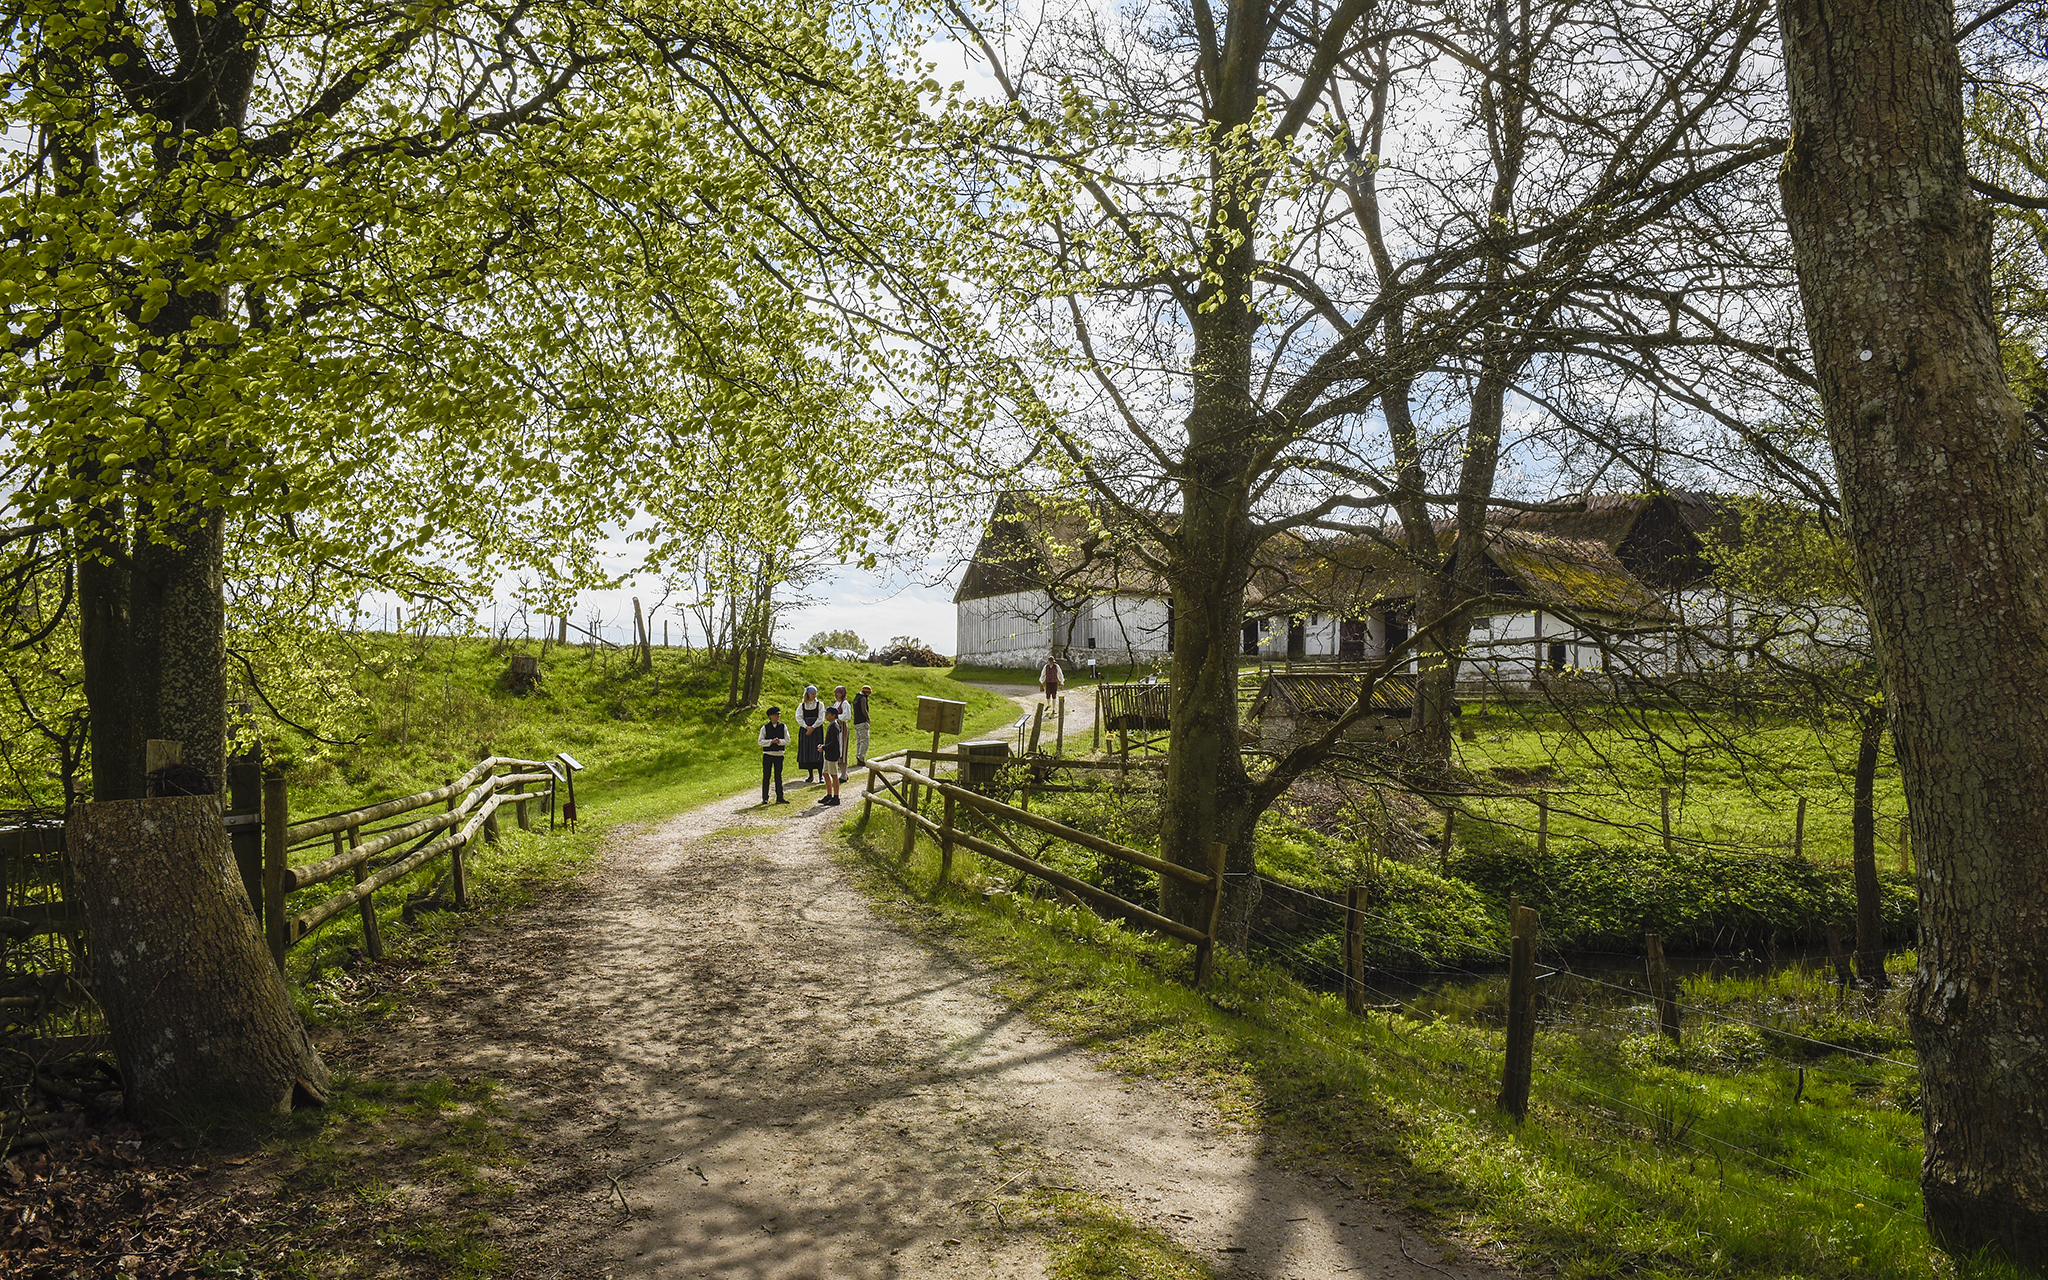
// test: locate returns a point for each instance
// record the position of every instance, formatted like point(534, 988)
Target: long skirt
point(810, 747)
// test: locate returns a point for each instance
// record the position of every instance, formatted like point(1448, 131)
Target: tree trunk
point(1446, 592)
point(199, 1014)
point(1942, 496)
point(1208, 794)
point(1863, 854)
point(152, 635)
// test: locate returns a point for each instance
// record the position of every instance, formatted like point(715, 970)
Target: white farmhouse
point(1627, 570)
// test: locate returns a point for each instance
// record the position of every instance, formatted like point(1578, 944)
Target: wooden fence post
point(1799, 830)
point(490, 818)
point(569, 805)
point(276, 817)
point(909, 823)
point(1205, 950)
point(1521, 1055)
point(519, 789)
point(1098, 718)
point(867, 804)
point(1037, 727)
point(1354, 950)
point(1661, 993)
point(373, 937)
point(1542, 825)
point(1839, 955)
point(460, 876)
point(245, 797)
point(946, 845)
point(1664, 804)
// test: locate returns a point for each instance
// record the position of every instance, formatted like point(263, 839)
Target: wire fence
point(1697, 1010)
point(1721, 1146)
point(1404, 1037)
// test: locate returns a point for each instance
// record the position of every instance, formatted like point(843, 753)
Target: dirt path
point(729, 1065)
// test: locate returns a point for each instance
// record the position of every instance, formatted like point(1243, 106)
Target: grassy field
point(652, 743)
point(1734, 779)
point(1748, 1151)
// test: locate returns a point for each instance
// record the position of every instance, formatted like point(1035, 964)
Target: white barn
point(1037, 586)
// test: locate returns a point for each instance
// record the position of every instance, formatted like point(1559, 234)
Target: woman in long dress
point(810, 734)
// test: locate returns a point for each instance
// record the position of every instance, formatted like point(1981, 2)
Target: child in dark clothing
point(835, 752)
point(774, 738)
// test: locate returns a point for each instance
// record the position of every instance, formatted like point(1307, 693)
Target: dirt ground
point(729, 1065)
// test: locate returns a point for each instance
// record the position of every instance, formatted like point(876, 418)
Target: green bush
point(1594, 897)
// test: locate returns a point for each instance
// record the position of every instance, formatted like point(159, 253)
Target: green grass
point(1636, 1158)
point(389, 1178)
point(653, 744)
point(1735, 778)
point(1089, 1238)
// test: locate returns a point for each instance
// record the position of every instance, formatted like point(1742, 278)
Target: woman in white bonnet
point(810, 734)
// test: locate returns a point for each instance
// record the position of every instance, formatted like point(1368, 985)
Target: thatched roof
point(1611, 558)
point(1658, 536)
point(1039, 542)
point(1572, 574)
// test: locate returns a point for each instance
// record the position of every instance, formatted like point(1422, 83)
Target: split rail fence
point(896, 786)
point(374, 846)
point(380, 844)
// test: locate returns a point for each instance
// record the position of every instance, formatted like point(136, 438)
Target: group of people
point(831, 738)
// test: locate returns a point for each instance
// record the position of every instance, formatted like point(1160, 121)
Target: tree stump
point(199, 1016)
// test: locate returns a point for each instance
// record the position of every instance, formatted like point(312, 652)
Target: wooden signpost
point(937, 716)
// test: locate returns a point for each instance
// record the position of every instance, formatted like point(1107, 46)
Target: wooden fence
point(377, 856)
point(375, 845)
point(901, 789)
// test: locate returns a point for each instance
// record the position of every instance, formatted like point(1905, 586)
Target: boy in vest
point(773, 739)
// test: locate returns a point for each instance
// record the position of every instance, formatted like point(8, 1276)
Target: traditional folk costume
point(774, 739)
point(810, 734)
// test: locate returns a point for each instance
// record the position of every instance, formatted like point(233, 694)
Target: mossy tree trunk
point(1944, 497)
point(200, 1017)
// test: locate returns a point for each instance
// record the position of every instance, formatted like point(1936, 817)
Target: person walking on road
point(844, 710)
point(834, 749)
point(774, 739)
point(1050, 678)
point(860, 724)
point(810, 734)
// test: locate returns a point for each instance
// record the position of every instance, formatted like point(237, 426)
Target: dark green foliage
point(1594, 897)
